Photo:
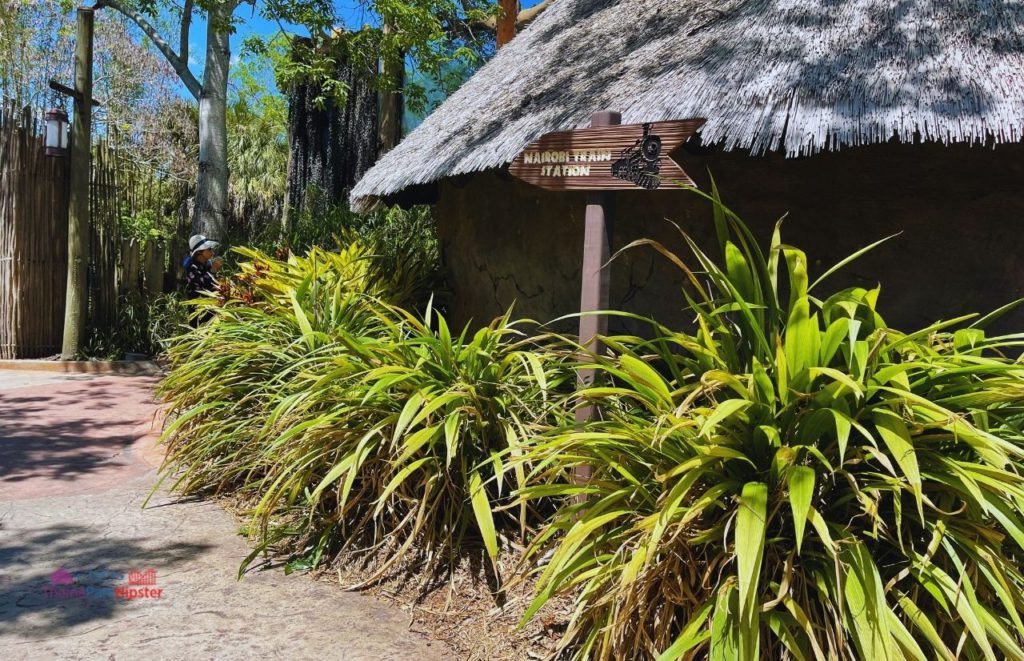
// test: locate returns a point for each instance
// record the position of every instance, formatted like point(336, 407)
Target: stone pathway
point(77, 460)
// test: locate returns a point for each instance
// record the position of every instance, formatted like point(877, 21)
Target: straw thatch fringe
point(796, 75)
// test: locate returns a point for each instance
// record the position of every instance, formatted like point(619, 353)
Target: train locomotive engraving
point(641, 164)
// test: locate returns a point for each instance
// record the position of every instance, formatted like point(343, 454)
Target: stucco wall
point(960, 211)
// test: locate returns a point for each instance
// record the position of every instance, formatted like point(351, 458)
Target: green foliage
point(144, 225)
point(167, 319)
point(401, 241)
point(437, 37)
point(788, 477)
point(223, 373)
point(405, 451)
point(258, 158)
point(434, 88)
point(342, 418)
point(317, 223)
point(142, 328)
point(791, 478)
point(128, 334)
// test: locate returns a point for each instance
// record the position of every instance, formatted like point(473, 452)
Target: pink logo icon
point(61, 577)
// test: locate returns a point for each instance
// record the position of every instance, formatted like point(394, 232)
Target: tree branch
point(186, 25)
point(179, 64)
point(524, 18)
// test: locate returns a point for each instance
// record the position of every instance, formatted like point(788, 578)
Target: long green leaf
point(484, 518)
point(801, 491)
point(749, 548)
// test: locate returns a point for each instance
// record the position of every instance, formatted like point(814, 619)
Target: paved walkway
point(77, 459)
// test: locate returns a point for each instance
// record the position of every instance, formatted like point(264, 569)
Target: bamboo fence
point(33, 240)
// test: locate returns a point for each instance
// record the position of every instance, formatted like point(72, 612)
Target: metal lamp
point(56, 132)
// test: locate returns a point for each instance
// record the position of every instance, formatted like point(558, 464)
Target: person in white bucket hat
point(200, 266)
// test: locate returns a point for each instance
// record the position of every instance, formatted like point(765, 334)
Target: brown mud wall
point(960, 210)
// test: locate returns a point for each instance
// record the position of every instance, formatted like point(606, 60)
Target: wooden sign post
point(605, 157)
point(595, 281)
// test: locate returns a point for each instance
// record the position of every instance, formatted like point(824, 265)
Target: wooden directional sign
point(617, 157)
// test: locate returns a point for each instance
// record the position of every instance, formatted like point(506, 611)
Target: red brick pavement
point(74, 437)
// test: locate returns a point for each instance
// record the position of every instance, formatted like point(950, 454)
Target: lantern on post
point(56, 132)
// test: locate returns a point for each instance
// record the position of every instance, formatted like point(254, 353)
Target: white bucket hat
point(198, 242)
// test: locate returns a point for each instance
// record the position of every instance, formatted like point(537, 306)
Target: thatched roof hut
point(857, 118)
point(800, 76)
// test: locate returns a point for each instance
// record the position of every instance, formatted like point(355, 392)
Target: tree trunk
point(330, 146)
point(390, 126)
point(507, 21)
point(212, 182)
point(76, 302)
point(286, 208)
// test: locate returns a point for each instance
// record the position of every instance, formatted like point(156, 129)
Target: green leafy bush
point(228, 375)
point(142, 327)
point(167, 319)
point(402, 242)
point(404, 446)
point(790, 479)
point(343, 418)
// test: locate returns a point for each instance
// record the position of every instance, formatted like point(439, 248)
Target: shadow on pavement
point(63, 433)
point(31, 607)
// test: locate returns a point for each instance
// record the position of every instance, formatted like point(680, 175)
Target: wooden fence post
point(154, 269)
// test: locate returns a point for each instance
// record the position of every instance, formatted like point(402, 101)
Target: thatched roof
point(796, 75)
